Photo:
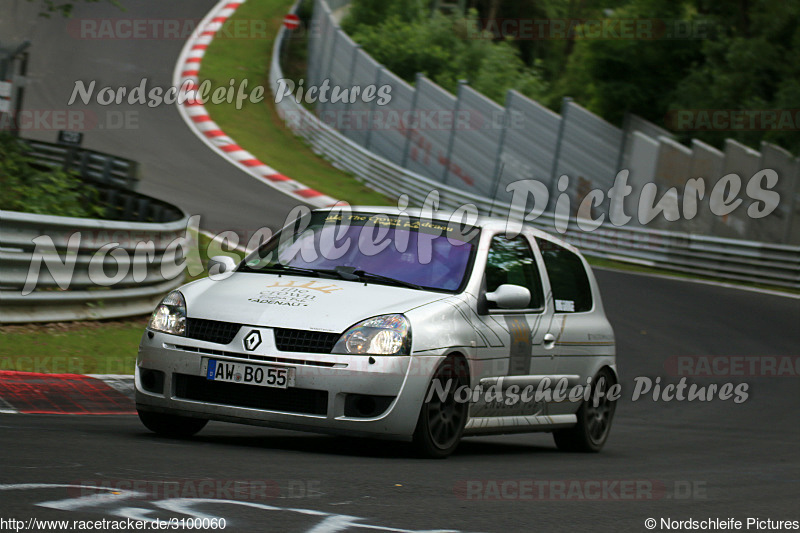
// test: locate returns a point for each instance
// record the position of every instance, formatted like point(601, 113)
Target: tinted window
point(571, 290)
point(512, 262)
point(425, 253)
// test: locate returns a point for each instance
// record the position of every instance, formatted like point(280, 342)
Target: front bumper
point(325, 389)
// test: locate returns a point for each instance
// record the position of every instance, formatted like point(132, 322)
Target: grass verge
point(257, 127)
point(610, 264)
point(101, 347)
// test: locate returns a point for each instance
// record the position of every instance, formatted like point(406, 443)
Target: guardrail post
point(451, 142)
point(559, 139)
point(330, 65)
point(498, 161)
point(372, 108)
point(626, 125)
point(413, 110)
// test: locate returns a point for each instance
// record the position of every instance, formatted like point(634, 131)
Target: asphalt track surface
point(701, 460)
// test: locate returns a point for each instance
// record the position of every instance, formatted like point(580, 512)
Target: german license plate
point(247, 374)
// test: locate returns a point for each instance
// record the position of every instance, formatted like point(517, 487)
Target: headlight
point(170, 315)
point(382, 335)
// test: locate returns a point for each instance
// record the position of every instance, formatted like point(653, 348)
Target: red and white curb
point(66, 394)
point(197, 118)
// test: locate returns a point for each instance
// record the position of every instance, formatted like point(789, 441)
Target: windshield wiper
point(342, 272)
point(282, 269)
point(364, 275)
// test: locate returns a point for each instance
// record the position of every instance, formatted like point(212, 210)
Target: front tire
point(442, 419)
point(594, 421)
point(173, 426)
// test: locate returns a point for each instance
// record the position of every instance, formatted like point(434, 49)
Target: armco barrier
point(64, 268)
point(114, 178)
point(726, 259)
point(91, 165)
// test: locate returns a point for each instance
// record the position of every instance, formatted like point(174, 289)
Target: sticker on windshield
point(567, 306)
point(293, 293)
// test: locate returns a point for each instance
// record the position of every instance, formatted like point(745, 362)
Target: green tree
point(29, 188)
point(610, 76)
point(754, 64)
point(444, 47)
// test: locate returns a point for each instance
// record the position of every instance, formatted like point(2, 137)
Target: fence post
point(330, 66)
point(350, 83)
point(408, 128)
point(356, 48)
point(449, 155)
point(372, 108)
point(553, 173)
point(498, 160)
point(626, 124)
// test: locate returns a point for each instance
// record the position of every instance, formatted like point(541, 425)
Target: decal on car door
point(519, 349)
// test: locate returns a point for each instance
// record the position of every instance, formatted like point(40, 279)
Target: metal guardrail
point(56, 268)
point(114, 178)
point(64, 268)
point(726, 259)
point(91, 165)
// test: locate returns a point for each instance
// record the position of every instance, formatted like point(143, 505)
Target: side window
point(512, 262)
point(571, 290)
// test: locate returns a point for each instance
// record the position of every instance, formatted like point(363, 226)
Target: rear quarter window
point(572, 292)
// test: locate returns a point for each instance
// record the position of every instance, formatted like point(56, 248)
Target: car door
point(524, 352)
point(584, 337)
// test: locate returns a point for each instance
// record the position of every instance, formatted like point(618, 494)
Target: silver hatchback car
point(379, 323)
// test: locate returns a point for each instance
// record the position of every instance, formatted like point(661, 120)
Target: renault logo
point(252, 341)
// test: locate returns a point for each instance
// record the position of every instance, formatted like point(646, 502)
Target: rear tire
point(594, 421)
point(441, 420)
point(173, 426)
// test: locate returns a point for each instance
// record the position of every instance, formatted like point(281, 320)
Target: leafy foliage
point(753, 65)
point(30, 189)
point(445, 48)
point(730, 54)
point(611, 76)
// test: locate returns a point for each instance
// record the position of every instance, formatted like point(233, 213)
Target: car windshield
point(373, 248)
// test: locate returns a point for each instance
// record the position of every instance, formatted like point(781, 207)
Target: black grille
point(291, 400)
point(211, 330)
point(297, 340)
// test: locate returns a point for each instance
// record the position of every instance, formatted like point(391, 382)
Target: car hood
point(297, 302)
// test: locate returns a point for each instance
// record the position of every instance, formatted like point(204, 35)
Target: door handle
point(549, 341)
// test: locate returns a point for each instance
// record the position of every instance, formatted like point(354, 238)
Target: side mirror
point(510, 297)
point(220, 267)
